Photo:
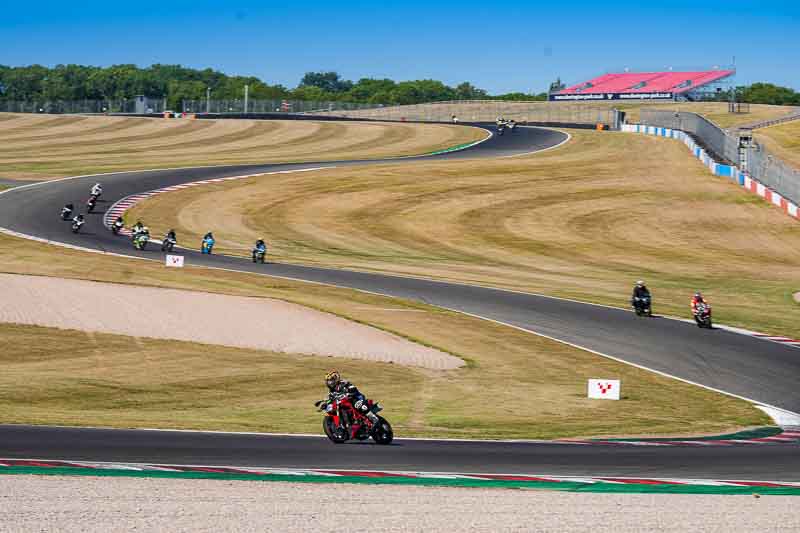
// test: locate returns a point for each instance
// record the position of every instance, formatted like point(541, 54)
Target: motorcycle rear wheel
point(383, 434)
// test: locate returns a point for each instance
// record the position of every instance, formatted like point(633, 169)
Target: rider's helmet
point(640, 283)
point(80, 217)
point(698, 296)
point(332, 379)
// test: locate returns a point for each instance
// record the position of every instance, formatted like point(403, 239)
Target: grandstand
point(669, 85)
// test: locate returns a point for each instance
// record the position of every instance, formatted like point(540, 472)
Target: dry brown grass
point(41, 147)
point(583, 221)
point(588, 112)
point(783, 140)
point(515, 385)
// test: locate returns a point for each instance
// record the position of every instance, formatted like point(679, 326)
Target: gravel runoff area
point(50, 503)
point(207, 318)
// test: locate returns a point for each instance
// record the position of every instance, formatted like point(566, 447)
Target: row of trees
point(177, 83)
point(36, 83)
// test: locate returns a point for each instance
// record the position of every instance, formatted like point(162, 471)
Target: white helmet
point(640, 283)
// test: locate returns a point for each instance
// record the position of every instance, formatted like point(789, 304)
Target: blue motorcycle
point(208, 245)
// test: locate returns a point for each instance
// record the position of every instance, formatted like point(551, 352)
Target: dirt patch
point(259, 323)
point(102, 504)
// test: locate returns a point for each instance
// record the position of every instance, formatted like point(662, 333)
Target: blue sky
point(499, 46)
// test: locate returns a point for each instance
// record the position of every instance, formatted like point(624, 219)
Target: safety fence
point(241, 106)
point(744, 178)
point(490, 110)
point(737, 148)
point(84, 106)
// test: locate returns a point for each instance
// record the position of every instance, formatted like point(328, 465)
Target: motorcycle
point(76, 225)
point(91, 203)
point(116, 227)
point(641, 306)
point(168, 244)
point(208, 245)
point(66, 213)
point(702, 315)
point(259, 254)
point(501, 129)
point(140, 241)
point(344, 422)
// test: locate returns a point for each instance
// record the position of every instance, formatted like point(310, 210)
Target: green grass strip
point(758, 433)
point(568, 486)
point(453, 148)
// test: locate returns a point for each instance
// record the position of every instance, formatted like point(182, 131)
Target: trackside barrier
point(729, 171)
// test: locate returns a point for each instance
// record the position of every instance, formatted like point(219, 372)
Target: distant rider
point(66, 211)
point(697, 299)
point(119, 224)
point(260, 248)
point(170, 236)
point(337, 386)
point(137, 228)
point(208, 242)
point(640, 290)
point(97, 190)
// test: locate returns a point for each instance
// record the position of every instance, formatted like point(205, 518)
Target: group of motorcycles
point(78, 220)
point(503, 125)
point(642, 306)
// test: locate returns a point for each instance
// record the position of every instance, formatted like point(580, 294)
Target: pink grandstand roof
point(645, 82)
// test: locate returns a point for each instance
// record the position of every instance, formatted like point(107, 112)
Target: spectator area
point(646, 82)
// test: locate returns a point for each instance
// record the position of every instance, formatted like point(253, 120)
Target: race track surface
point(759, 370)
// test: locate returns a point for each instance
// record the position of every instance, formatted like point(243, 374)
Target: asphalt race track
point(763, 371)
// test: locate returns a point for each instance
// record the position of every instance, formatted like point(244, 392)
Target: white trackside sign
point(175, 261)
point(604, 389)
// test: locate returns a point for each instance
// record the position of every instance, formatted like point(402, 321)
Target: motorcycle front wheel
point(383, 434)
point(336, 435)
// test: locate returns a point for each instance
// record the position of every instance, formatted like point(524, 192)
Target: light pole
point(208, 100)
point(246, 91)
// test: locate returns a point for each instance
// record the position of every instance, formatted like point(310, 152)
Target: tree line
point(176, 83)
point(36, 83)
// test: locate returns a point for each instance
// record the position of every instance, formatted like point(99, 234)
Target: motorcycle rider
point(338, 386)
point(66, 211)
point(137, 228)
point(118, 224)
point(208, 242)
point(260, 247)
point(640, 290)
point(697, 299)
point(78, 219)
point(170, 236)
point(97, 190)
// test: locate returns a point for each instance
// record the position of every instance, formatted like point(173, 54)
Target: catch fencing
point(83, 106)
point(736, 147)
point(490, 110)
point(239, 106)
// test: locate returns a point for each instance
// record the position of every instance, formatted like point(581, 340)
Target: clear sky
point(499, 46)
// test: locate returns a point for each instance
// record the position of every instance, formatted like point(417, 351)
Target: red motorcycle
point(344, 422)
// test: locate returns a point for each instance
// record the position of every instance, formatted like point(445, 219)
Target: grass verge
point(42, 147)
point(783, 140)
point(583, 221)
point(516, 385)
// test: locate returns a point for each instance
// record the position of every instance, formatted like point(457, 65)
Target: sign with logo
point(604, 389)
point(610, 96)
point(175, 261)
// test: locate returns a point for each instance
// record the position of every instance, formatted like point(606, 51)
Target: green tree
point(329, 82)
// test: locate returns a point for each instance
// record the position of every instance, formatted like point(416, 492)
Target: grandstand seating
point(646, 82)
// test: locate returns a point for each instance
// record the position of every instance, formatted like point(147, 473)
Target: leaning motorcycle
point(641, 306)
point(344, 422)
point(208, 245)
point(140, 241)
point(76, 225)
point(702, 315)
point(168, 244)
point(259, 255)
